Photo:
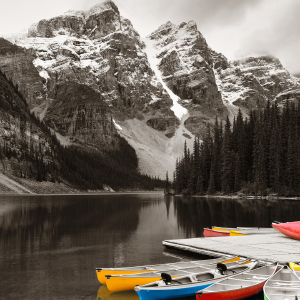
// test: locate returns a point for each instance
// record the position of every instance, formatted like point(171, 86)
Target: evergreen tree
point(227, 167)
point(215, 171)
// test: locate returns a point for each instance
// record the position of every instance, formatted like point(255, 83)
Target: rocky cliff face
point(186, 63)
point(22, 141)
point(17, 63)
point(207, 82)
point(80, 112)
point(250, 82)
point(84, 66)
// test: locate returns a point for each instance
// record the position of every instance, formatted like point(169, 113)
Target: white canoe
point(188, 285)
point(284, 285)
point(239, 286)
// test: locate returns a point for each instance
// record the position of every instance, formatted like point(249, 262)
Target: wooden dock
point(273, 247)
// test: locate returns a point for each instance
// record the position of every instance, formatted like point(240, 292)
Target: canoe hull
point(160, 294)
point(291, 229)
point(214, 233)
point(234, 294)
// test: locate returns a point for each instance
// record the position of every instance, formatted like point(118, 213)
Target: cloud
point(149, 14)
point(274, 29)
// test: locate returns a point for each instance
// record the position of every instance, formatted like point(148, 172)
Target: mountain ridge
point(85, 71)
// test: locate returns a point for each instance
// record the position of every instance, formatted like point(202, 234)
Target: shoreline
point(104, 193)
point(296, 198)
point(12, 185)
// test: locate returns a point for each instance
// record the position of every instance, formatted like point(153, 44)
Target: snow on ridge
point(117, 125)
point(42, 64)
point(178, 109)
point(44, 74)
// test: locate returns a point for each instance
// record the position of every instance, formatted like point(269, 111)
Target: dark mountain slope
point(28, 150)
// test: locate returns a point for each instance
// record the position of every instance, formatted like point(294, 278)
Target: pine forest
point(258, 155)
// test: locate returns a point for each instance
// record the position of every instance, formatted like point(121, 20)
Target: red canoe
point(212, 233)
point(238, 286)
point(291, 229)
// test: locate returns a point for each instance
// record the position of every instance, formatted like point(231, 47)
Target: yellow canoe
point(118, 283)
point(122, 283)
point(294, 266)
point(103, 272)
point(244, 231)
point(236, 233)
point(232, 232)
point(222, 228)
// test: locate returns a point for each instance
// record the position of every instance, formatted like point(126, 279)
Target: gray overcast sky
point(235, 28)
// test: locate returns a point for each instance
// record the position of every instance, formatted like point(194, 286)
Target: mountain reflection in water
point(51, 245)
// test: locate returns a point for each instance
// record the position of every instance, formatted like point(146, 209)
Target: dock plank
point(273, 247)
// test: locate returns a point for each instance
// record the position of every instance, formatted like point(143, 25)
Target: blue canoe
point(185, 286)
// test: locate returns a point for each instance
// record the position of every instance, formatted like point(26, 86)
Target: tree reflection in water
point(195, 213)
point(50, 245)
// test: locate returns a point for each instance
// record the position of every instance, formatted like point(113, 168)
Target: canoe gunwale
point(175, 286)
point(192, 283)
point(117, 283)
point(241, 288)
point(225, 257)
point(154, 273)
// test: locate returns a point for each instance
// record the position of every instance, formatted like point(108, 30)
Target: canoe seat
point(206, 276)
point(183, 280)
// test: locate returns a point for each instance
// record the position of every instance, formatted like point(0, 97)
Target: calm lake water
point(51, 245)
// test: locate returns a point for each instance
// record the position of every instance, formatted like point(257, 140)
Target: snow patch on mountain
point(228, 97)
point(178, 109)
point(117, 125)
point(174, 146)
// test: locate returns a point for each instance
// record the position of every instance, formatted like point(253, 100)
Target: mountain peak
point(163, 29)
point(75, 13)
point(96, 9)
point(100, 20)
point(166, 26)
point(102, 6)
point(192, 25)
point(185, 29)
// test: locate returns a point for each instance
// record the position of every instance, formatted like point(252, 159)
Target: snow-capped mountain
point(78, 69)
point(186, 64)
point(250, 82)
point(88, 74)
point(207, 82)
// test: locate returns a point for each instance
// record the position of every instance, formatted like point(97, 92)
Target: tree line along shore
point(258, 155)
